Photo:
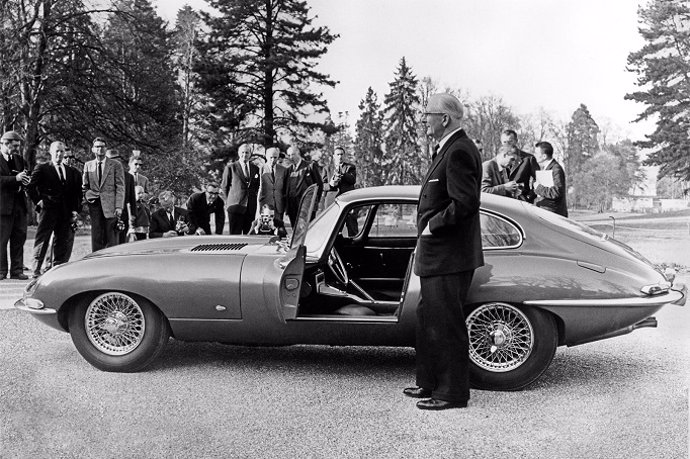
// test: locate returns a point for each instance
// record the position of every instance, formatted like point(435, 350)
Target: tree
point(185, 35)
point(401, 108)
point(582, 140)
point(599, 181)
point(487, 118)
point(368, 154)
point(257, 65)
point(662, 67)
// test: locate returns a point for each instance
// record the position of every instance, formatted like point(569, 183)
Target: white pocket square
point(433, 180)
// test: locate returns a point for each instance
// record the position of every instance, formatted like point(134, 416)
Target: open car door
point(293, 261)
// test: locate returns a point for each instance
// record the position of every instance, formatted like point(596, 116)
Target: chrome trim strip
point(333, 318)
point(19, 304)
point(656, 300)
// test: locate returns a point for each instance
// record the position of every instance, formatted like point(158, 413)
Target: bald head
point(446, 103)
point(57, 152)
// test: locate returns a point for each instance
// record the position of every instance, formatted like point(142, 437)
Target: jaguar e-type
point(345, 278)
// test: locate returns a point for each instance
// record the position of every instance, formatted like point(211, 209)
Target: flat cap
point(11, 135)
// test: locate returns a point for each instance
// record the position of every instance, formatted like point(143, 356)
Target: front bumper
point(25, 305)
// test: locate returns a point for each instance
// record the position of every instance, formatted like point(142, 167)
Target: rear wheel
point(115, 331)
point(510, 347)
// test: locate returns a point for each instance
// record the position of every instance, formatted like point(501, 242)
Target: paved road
point(621, 398)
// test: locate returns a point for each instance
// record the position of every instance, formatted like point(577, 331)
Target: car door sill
point(340, 318)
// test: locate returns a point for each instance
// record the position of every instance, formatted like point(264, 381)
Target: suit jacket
point(553, 198)
point(346, 182)
point(273, 188)
point(449, 204)
point(10, 189)
point(521, 171)
point(130, 197)
point(241, 191)
point(47, 187)
point(161, 224)
point(493, 180)
point(301, 177)
point(110, 190)
point(199, 213)
point(141, 180)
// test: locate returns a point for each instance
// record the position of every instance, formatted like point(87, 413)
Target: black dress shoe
point(417, 392)
point(435, 404)
point(3, 276)
point(20, 276)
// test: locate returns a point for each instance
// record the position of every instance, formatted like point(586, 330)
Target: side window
point(498, 233)
point(354, 222)
point(395, 220)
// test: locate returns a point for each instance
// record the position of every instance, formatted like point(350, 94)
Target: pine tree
point(662, 67)
point(368, 155)
point(582, 140)
point(401, 108)
point(257, 66)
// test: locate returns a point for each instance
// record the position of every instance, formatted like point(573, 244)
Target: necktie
point(61, 174)
point(273, 173)
point(433, 155)
point(100, 171)
point(172, 220)
point(245, 169)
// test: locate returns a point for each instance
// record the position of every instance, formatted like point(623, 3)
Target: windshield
point(320, 230)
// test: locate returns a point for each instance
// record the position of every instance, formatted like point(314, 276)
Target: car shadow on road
point(330, 359)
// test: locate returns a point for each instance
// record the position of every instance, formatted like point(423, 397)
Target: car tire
point(510, 347)
point(120, 332)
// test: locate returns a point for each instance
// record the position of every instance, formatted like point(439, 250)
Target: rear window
point(499, 233)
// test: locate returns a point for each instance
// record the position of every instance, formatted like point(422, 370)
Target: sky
point(533, 54)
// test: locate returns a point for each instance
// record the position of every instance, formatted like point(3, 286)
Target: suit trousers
point(239, 223)
point(13, 231)
point(103, 230)
point(52, 221)
point(442, 341)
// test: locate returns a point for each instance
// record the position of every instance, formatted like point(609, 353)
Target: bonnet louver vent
point(218, 247)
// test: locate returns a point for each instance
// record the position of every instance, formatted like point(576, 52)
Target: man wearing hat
point(103, 183)
point(13, 178)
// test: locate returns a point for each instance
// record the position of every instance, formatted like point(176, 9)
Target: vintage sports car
point(345, 278)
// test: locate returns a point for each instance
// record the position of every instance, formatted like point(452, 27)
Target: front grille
point(218, 247)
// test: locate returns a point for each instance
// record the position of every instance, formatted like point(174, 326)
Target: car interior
point(366, 271)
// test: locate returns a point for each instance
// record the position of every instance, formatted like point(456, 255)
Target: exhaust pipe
point(649, 322)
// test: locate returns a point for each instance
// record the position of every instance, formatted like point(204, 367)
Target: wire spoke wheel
point(115, 323)
point(501, 337)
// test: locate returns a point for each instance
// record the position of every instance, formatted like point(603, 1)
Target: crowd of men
point(255, 197)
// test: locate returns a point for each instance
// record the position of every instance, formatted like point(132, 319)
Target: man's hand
point(200, 232)
point(511, 186)
point(118, 212)
point(171, 233)
point(23, 177)
point(427, 231)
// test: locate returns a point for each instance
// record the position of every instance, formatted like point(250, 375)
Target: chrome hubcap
point(501, 337)
point(115, 323)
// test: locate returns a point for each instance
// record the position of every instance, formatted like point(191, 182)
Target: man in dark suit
point(339, 178)
point(103, 184)
point(449, 249)
point(274, 180)
point(13, 179)
point(55, 189)
point(495, 173)
point(524, 168)
point(301, 175)
point(169, 220)
point(241, 188)
point(201, 205)
point(550, 196)
point(130, 197)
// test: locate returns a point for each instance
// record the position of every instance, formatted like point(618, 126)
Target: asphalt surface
point(621, 398)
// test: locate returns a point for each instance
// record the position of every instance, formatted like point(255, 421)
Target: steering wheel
point(337, 267)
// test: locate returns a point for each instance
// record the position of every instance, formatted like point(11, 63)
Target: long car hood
point(225, 244)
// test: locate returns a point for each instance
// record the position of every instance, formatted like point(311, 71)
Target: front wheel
point(509, 348)
point(115, 331)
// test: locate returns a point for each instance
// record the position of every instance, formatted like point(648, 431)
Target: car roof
point(411, 192)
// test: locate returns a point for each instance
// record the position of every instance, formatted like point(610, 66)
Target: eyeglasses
point(433, 113)
point(215, 193)
point(69, 157)
point(137, 164)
